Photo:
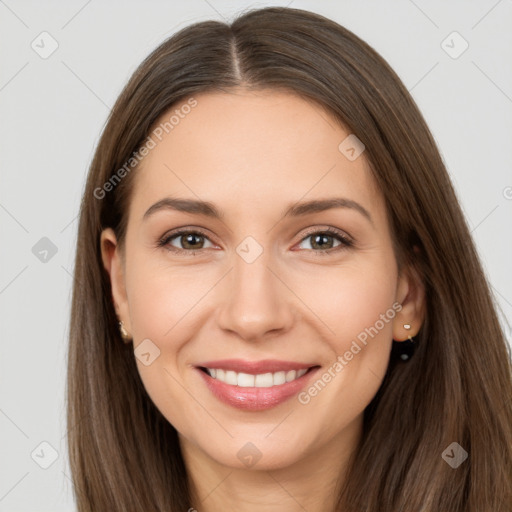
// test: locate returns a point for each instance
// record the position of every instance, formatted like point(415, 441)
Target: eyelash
point(345, 241)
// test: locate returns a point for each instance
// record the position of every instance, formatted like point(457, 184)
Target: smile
point(260, 380)
point(255, 385)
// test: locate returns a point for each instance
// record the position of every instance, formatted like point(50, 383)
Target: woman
point(268, 226)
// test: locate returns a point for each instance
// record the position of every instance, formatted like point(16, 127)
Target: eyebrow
point(208, 209)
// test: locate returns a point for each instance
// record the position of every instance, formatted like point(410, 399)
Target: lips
point(255, 385)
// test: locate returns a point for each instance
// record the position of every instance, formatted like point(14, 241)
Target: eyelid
point(330, 230)
point(164, 240)
point(346, 241)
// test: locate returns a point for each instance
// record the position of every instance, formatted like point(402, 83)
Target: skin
point(253, 154)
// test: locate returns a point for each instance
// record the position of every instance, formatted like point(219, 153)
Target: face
point(265, 288)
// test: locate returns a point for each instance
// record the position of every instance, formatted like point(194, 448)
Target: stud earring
point(404, 349)
point(124, 333)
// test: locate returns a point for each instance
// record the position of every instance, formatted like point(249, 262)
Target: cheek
point(349, 300)
point(356, 303)
point(357, 306)
point(160, 296)
point(161, 301)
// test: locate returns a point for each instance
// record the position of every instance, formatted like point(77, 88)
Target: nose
point(258, 303)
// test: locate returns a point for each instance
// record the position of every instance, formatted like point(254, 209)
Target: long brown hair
point(124, 455)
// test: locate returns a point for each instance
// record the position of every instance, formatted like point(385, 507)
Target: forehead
point(254, 148)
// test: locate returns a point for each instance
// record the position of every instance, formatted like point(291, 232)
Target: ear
point(113, 262)
point(411, 295)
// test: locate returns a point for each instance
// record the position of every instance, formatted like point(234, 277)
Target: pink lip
point(255, 367)
point(253, 398)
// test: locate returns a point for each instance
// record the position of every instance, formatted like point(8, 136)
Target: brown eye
point(191, 241)
point(324, 242)
point(188, 241)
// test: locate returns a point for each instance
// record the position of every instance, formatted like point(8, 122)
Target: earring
point(124, 333)
point(404, 349)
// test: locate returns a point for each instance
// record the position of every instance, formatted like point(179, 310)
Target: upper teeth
point(262, 380)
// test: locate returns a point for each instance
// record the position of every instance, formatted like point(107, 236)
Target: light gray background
point(53, 110)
